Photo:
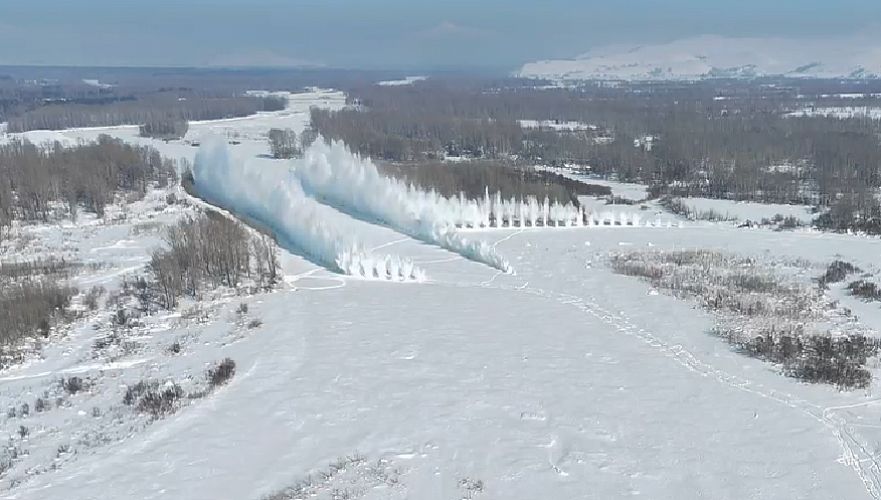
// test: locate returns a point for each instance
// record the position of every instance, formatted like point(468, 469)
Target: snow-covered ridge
point(713, 56)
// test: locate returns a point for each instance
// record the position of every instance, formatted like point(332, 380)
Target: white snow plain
point(562, 381)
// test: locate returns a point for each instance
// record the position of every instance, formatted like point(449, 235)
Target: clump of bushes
point(165, 129)
point(284, 144)
point(836, 272)
point(719, 282)
point(815, 358)
point(762, 314)
point(221, 373)
point(73, 385)
point(206, 252)
point(865, 290)
point(472, 179)
point(679, 207)
point(782, 223)
point(29, 308)
point(175, 348)
point(619, 200)
point(92, 296)
point(159, 400)
point(852, 212)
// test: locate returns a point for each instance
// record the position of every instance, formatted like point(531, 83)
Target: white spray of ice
point(353, 185)
point(274, 198)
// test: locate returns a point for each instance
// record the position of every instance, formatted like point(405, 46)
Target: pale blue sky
point(388, 33)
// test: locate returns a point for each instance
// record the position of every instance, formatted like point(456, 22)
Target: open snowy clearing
point(563, 380)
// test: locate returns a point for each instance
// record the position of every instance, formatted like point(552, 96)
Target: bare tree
point(283, 143)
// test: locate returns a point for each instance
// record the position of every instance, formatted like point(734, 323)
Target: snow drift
point(353, 185)
point(276, 199)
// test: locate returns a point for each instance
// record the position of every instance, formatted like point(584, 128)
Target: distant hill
point(712, 56)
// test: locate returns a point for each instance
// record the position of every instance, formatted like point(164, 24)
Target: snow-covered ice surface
point(562, 381)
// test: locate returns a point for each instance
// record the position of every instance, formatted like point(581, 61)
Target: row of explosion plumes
point(291, 201)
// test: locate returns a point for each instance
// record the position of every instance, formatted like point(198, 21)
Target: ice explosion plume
point(274, 198)
point(353, 185)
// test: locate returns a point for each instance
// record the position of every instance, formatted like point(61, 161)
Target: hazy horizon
point(386, 34)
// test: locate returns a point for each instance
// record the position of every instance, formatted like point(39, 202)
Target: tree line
point(729, 140)
point(208, 251)
point(34, 179)
point(473, 179)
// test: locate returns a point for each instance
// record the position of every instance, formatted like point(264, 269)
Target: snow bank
point(353, 185)
point(276, 199)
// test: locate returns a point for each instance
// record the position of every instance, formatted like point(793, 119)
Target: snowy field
point(559, 380)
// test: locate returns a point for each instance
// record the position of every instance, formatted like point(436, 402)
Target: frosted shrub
point(837, 272)
point(221, 373)
point(157, 399)
point(761, 313)
point(865, 290)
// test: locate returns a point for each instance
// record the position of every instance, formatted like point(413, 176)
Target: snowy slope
point(706, 56)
